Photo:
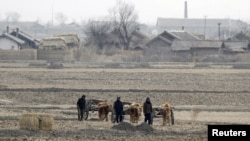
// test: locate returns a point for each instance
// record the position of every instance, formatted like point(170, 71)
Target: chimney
point(17, 32)
point(186, 10)
point(7, 29)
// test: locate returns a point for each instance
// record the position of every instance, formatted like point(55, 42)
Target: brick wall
point(25, 54)
point(55, 55)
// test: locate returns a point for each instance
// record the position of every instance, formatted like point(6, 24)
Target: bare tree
point(125, 22)
point(245, 28)
point(98, 31)
point(61, 18)
point(12, 17)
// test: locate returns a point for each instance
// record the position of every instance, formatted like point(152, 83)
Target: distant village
point(169, 40)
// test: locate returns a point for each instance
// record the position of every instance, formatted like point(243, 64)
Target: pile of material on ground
point(144, 127)
point(124, 126)
point(129, 127)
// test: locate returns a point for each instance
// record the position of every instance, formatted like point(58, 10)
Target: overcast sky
point(148, 10)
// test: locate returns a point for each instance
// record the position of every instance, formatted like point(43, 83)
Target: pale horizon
point(80, 11)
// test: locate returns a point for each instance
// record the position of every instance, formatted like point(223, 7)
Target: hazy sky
point(148, 10)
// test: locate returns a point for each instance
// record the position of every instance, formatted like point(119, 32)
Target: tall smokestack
point(186, 10)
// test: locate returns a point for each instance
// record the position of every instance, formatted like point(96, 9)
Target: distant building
point(9, 42)
point(208, 27)
point(160, 46)
point(53, 43)
point(166, 38)
point(235, 47)
point(241, 37)
point(196, 49)
point(72, 40)
point(17, 40)
point(60, 47)
point(30, 42)
point(32, 28)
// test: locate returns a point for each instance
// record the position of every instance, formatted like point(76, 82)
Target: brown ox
point(167, 114)
point(103, 110)
point(135, 110)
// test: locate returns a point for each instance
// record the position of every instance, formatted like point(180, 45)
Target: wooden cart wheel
point(86, 114)
point(87, 109)
point(113, 116)
point(78, 113)
point(172, 116)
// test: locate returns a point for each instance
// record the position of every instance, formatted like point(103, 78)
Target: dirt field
point(199, 97)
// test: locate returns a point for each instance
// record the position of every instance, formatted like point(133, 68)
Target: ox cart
point(125, 109)
point(157, 112)
point(86, 110)
point(92, 105)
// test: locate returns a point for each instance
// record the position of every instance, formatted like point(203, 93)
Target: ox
point(167, 114)
point(135, 110)
point(103, 110)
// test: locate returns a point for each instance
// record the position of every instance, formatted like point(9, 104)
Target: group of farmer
point(118, 109)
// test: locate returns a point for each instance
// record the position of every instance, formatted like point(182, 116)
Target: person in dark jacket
point(147, 110)
point(81, 107)
point(118, 108)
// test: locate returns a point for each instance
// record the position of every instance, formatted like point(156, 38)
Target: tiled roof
point(236, 44)
point(169, 36)
point(183, 35)
point(241, 37)
point(25, 35)
point(178, 45)
point(13, 38)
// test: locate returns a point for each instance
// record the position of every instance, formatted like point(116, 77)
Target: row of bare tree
point(122, 20)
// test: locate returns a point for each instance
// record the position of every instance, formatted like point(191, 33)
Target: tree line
point(122, 21)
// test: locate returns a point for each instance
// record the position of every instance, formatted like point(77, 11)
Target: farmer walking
point(81, 107)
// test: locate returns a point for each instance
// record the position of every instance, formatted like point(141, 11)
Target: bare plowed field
point(199, 97)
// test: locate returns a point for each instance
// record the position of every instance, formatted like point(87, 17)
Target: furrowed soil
point(199, 97)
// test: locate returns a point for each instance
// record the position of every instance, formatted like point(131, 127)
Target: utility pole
point(219, 29)
point(205, 24)
point(52, 13)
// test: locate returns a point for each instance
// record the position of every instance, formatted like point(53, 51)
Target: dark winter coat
point(81, 103)
point(118, 106)
point(147, 107)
